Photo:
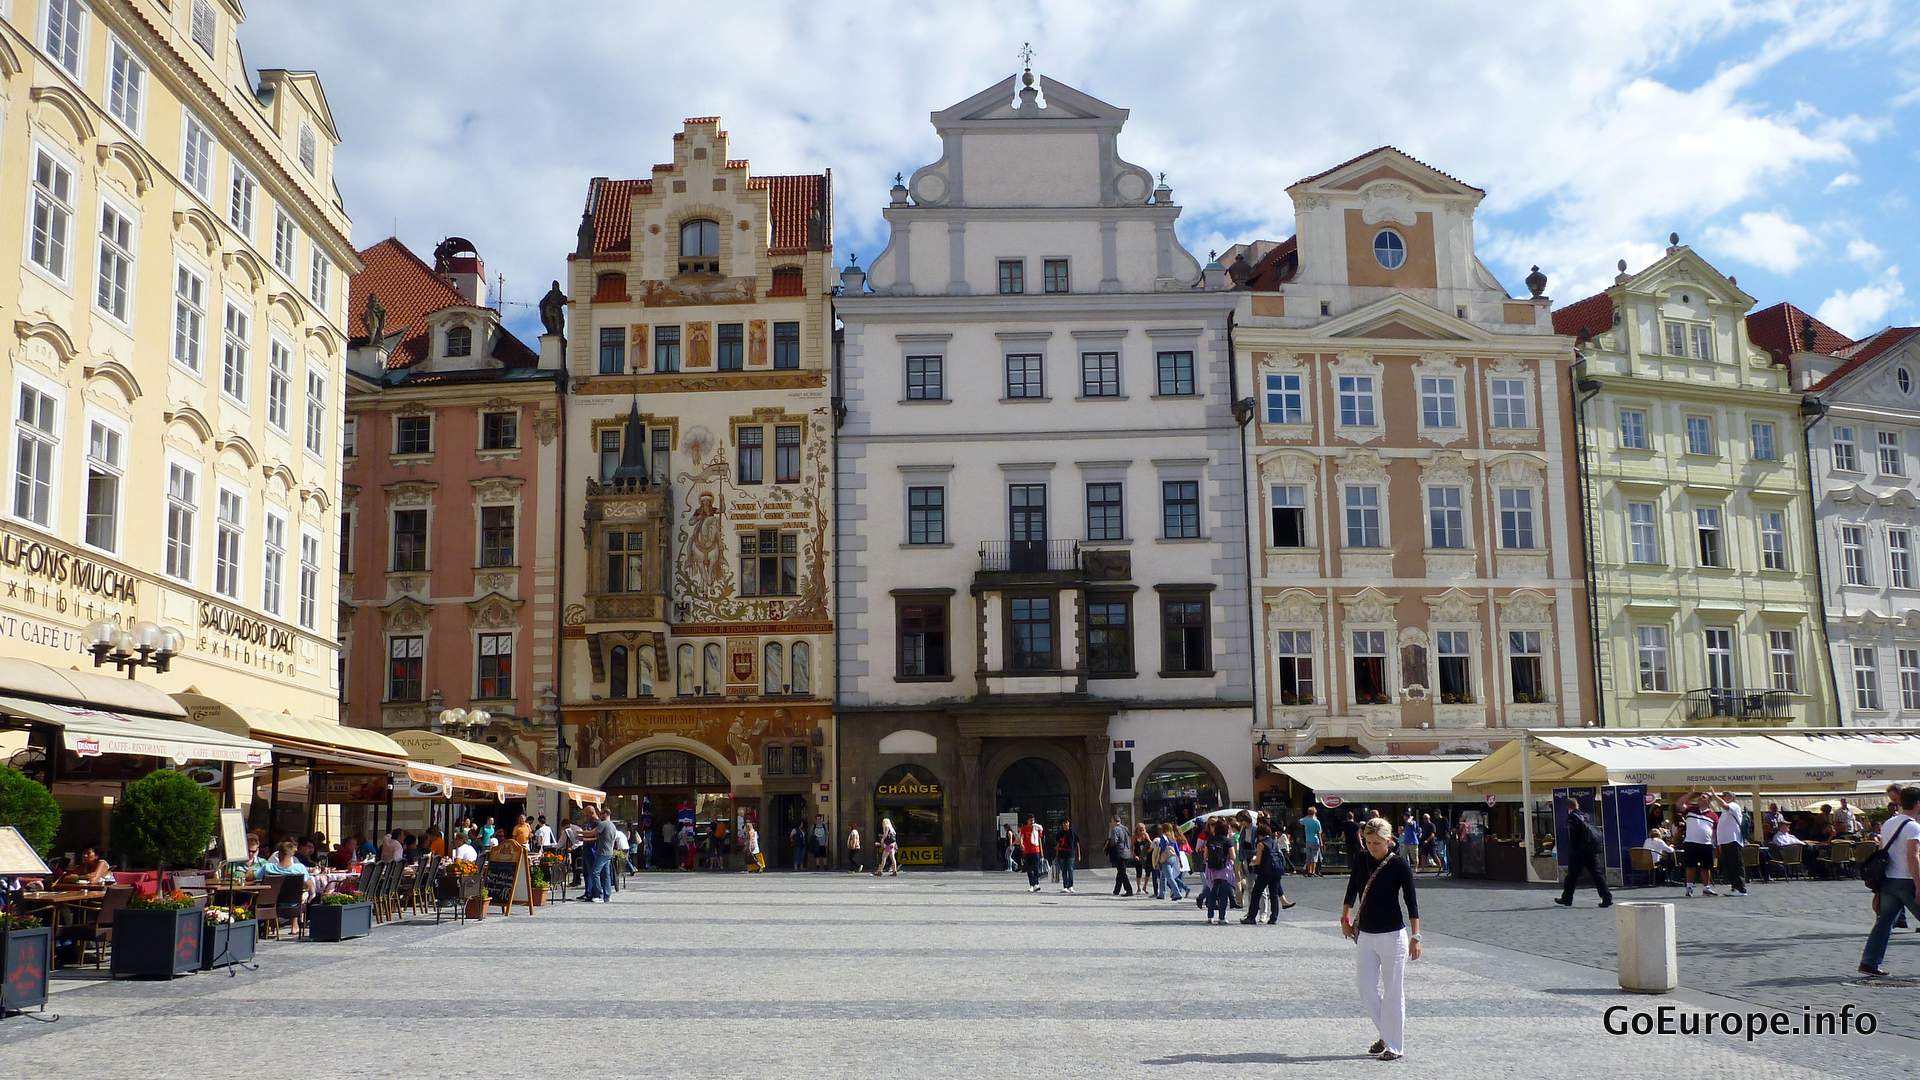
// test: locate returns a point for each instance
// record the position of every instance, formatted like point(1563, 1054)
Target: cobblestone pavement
point(929, 975)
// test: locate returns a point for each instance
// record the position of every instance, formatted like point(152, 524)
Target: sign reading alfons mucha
point(49, 591)
point(734, 731)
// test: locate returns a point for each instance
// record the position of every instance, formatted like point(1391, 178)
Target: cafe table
point(57, 901)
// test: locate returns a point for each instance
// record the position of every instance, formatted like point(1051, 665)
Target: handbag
point(1873, 872)
point(1352, 928)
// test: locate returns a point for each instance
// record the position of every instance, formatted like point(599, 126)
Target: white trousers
point(1383, 989)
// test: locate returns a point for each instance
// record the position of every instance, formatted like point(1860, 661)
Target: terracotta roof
point(411, 291)
point(1276, 267)
point(1777, 330)
point(1589, 317)
point(1865, 350)
point(1357, 157)
point(793, 202)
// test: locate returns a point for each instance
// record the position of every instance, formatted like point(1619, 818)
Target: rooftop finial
point(1026, 64)
point(1621, 266)
point(899, 178)
point(1673, 239)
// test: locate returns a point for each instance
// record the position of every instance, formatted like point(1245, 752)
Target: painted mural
point(734, 732)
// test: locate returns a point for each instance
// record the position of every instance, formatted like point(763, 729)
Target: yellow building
point(174, 374)
point(1705, 585)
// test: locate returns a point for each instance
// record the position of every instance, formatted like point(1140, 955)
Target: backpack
point(1873, 872)
point(1219, 854)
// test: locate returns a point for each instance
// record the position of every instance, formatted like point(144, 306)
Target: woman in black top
point(1387, 939)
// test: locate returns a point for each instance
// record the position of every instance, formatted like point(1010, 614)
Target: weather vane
point(1026, 55)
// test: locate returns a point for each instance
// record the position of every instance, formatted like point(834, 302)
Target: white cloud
point(1843, 181)
point(1767, 239)
point(1865, 252)
point(1855, 312)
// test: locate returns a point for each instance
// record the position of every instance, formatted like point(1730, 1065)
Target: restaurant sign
point(245, 628)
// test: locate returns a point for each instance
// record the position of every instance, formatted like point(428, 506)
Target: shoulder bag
point(1352, 929)
point(1873, 872)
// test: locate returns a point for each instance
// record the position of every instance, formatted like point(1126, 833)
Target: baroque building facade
point(1698, 517)
point(174, 371)
point(1419, 584)
point(697, 630)
point(1042, 577)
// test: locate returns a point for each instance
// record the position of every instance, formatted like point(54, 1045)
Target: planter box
point(476, 907)
point(539, 897)
point(339, 922)
point(231, 943)
point(25, 964)
point(157, 944)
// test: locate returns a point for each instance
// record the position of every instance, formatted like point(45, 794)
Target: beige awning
point(446, 752)
point(294, 734)
point(1400, 779)
point(1683, 759)
point(1499, 772)
point(92, 732)
point(27, 679)
point(1876, 756)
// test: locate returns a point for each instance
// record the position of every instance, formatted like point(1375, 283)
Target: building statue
point(553, 311)
point(376, 319)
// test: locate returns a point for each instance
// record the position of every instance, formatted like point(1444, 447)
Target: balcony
point(1030, 557)
point(1739, 706)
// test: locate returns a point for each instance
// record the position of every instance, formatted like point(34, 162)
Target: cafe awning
point(1397, 779)
point(1876, 756)
point(92, 732)
point(437, 748)
point(488, 785)
point(1499, 772)
point(1682, 759)
point(294, 735)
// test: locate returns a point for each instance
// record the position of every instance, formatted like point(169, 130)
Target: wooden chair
point(282, 906)
point(1840, 857)
point(1640, 861)
point(99, 930)
point(1793, 859)
point(1750, 855)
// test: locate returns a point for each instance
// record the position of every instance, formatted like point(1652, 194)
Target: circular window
point(1906, 380)
point(1389, 249)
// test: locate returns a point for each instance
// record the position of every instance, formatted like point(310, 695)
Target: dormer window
point(460, 341)
point(1389, 249)
point(700, 247)
point(202, 25)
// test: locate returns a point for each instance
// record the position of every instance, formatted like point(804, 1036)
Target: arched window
point(771, 669)
point(799, 662)
point(712, 681)
point(700, 247)
point(683, 661)
point(460, 341)
point(617, 672)
point(645, 667)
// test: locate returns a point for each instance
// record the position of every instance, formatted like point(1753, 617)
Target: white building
point(1042, 603)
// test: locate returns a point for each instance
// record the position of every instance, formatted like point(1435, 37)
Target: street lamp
point(465, 721)
point(144, 645)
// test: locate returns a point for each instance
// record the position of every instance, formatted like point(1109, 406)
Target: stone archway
point(1081, 800)
point(1210, 787)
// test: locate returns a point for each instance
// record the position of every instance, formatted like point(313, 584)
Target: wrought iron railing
point(1029, 556)
point(1739, 704)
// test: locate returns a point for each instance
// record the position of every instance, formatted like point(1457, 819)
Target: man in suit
point(1583, 856)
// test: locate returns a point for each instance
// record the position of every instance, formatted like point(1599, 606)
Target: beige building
point(174, 374)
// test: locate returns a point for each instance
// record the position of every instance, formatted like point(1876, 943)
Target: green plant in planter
point(341, 899)
point(163, 820)
point(18, 922)
point(538, 879)
point(26, 804)
point(173, 901)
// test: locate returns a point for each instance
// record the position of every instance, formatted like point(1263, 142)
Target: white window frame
point(1533, 643)
point(1454, 636)
point(1281, 496)
point(1702, 423)
point(1293, 648)
point(74, 12)
point(131, 90)
point(1361, 399)
point(48, 390)
point(1643, 533)
point(314, 436)
point(1454, 517)
point(67, 210)
point(197, 161)
point(243, 199)
point(1518, 519)
point(115, 467)
point(195, 10)
point(286, 242)
point(1285, 403)
point(1439, 402)
point(1756, 443)
point(1652, 659)
point(307, 150)
point(319, 278)
point(1783, 660)
point(189, 510)
point(311, 556)
point(108, 251)
point(1773, 539)
point(279, 383)
point(1909, 661)
point(229, 541)
point(1846, 450)
point(1366, 507)
point(1853, 555)
point(1889, 455)
point(1900, 558)
point(1866, 678)
point(1386, 661)
point(1502, 399)
point(1643, 439)
point(236, 353)
point(196, 364)
point(1718, 528)
point(273, 563)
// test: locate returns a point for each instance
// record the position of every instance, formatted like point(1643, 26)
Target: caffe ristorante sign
point(245, 628)
point(62, 567)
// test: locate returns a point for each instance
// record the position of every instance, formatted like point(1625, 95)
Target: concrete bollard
point(1648, 963)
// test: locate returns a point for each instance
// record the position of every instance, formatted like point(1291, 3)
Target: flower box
point(477, 906)
point(26, 962)
point(229, 943)
point(339, 922)
point(157, 943)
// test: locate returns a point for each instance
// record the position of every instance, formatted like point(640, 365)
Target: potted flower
point(1381, 699)
point(537, 882)
point(27, 960)
point(1449, 699)
point(339, 916)
point(159, 936)
point(477, 903)
point(459, 880)
point(229, 938)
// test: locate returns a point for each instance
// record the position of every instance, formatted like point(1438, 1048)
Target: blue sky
point(1776, 137)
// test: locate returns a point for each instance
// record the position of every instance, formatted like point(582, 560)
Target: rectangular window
point(1700, 435)
point(1186, 645)
point(1910, 679)
point(236, 354)
point(52, 214)
point(273, 564)
point(1764, 446)
point(1720, 673)
point(182, 511)
point(106, 466)
point(66, 29)
point(1289, 509)
point(1853, 554)
point(317, 283)
point(1516, 519)
point(1866, 679)
point(1106, 517)
point(730, 345)
point(240, 197)
point(1446, 518)
point(36, 440)
point(410, 540)
point(750, 444)
point(316, 412)
point(1773, 539)
point(666, 349)
point(229, 529)
point(1293, 662)
point(1180, 509)
point(1633, 429)
point(662, 452)
point(1363, 516)
point(613, 350)
point(786, 346)
point(1509, 403)
point(1286, 404)
point(126, 87)
point(404, 668)
point(786, 454)
point(114, 274)
point(1712, 545)
point(496, 536)
point(609, 453)
point(1176, 373)
point(496, 666)
point(349, 435)
point(1650, 646)
point(413, 435)
point(1100, 374)
point(1053, 276)
point(1893, 461)
point(1013, 277)
point(1700, 341)
point(1676, 339)
point(925, 381)
point(309, 150)
point(1439, 404)
point(1643, 535)
point(1783, 661)
point(1370, 667)
point(1846, 455)
point(1024, 376)
point(926, 515)
point(189, 317)
point(1027, 513)
point(626, 561)
point(923, 639)
point(1356, 400)
point(499, 430)
point(279, 382)
point(1455, 650)
point(200, 25)
point(1900, 558)
point(1109, 635)
point(196, 156)
point(284, 239)
point(1030, 633)
point(769, 563)
point(346, 542)
point(1523, 663)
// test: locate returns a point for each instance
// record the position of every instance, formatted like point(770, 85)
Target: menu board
point(233, 835)
point(17, 857)
point(508, 883)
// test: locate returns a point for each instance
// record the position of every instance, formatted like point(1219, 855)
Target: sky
point(1774, 136)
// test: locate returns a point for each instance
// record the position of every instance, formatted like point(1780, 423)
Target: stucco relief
point(410, 494)
point(1413, 663)
point(1362, 467)
point(1387, 202)
point(1525, 607)
point(1368, 606)
point(1295, 607)
point(1454, 606)
point(757, 343)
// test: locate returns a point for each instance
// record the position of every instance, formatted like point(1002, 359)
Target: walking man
point(1894, 895)
point(1067, 852)
point(1696, 845)
point(1583, 856)
point(1030, 850)
point(1119, 853)
point(1729, 834)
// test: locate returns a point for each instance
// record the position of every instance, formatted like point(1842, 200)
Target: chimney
point(459, 265)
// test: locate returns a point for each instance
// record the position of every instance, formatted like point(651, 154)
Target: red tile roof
point(793, 201)
point(1357, 157)
point(1778, 330)
point(411, 291)
point(1864, 351)
point(1585, 318)
point(1276, 267)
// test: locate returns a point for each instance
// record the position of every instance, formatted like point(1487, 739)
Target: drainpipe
point(1814, 410)
point(1585, 390)
point(1244, 410)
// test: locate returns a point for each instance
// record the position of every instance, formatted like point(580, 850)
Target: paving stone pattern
point(929, 975)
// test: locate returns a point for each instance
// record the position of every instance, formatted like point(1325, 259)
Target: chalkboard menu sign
point(508, 883)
